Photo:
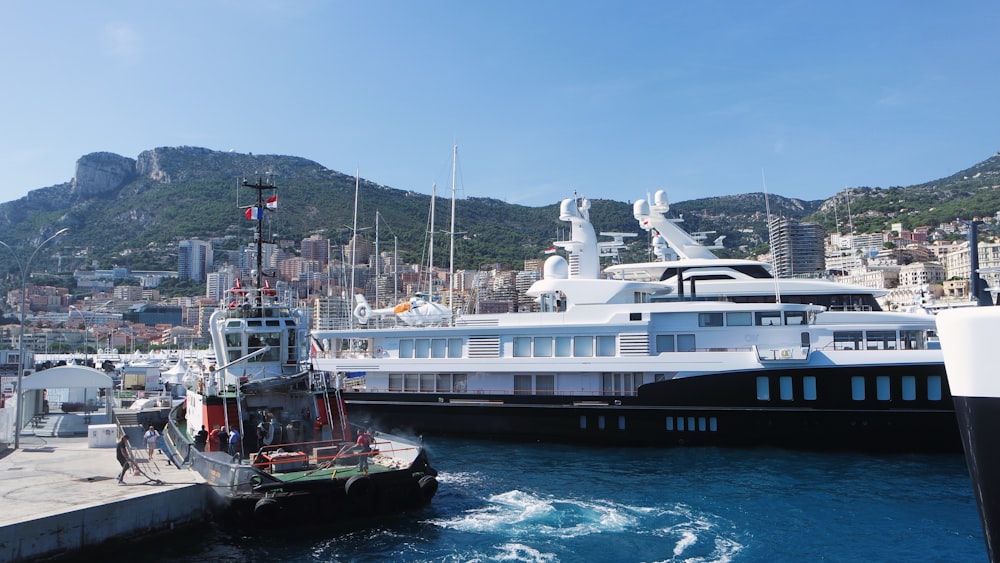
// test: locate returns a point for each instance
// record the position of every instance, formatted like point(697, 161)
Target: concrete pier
point(59, 495)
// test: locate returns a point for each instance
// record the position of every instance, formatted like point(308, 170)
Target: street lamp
point(25, 268)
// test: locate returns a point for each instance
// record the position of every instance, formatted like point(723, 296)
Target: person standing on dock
point(151, 437)
point(200, 439)
point(234, 442)
point(124, 455)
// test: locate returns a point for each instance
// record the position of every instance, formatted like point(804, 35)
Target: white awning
point(64, 377)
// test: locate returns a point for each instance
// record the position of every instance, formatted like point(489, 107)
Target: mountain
point(132, 212)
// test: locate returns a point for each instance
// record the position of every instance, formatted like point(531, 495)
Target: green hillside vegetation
point(191, 192)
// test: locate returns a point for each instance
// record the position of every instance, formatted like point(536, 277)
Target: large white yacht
point(616, 361)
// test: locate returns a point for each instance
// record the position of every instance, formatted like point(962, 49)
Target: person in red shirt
point(365, 445)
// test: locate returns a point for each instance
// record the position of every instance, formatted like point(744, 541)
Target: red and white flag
point(550, 250)
point(272, 202)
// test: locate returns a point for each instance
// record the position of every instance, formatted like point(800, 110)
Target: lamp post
point(25, 268)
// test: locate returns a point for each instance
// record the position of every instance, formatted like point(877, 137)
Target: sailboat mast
point(430, 252)
point(354, 241)
point(451, 258)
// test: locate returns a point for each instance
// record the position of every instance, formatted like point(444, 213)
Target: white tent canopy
point(64, 377)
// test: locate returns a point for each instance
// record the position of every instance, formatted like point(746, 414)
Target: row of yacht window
point(607, 345)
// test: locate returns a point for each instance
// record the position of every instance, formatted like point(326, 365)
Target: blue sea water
point(560, 503)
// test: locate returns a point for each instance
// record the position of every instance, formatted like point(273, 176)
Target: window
point(739, 319)
point(458, 382)
point(911, 339)
point(439, 347)
point(443, 382)
point(768, 318)
point(406, 348)
point(763, 389)
point(395, 382)
point(934, 387)
point(545, 384)
point(882, 388)
point(881, 339)
point(685, 343)
point(605, 345)
point(795, 318)
point(522, 347)
point(427, 381)
point(422, 348)
point(709, 319)
point(665, 343)
point(454, 347)
point(809, 387)
point(522, 385)
point(543, 347)
point(785, 387)
point(858, 388)
point(583, 346)
point(909, 388)
point(847, 340)
point(564, 347)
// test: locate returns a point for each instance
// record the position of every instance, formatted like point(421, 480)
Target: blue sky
point(544, 98)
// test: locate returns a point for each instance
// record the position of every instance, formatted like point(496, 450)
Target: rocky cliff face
point(100, 173)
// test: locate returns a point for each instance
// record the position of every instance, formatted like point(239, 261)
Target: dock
point(59, 495)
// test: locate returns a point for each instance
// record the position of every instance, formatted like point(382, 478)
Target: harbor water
point(550, 502)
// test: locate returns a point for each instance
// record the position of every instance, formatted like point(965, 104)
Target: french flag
point(253, 213)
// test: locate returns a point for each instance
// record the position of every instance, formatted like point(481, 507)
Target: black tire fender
point(359, 487)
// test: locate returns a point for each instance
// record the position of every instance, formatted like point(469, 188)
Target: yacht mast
point(354, 240)
point(451, 259)
point(430, 252)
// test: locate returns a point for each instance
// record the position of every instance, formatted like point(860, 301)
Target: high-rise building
point(194, 260)
point(796, 248)
point(316, 248)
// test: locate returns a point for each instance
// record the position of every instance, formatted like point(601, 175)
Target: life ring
point(359, 487)
point(363, 312)
point(428, 488)
point(401, 308)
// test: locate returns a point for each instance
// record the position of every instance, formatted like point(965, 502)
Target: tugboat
point(270, 436)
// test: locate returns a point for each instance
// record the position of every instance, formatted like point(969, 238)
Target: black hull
point(716, 410)
point(978, 418)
